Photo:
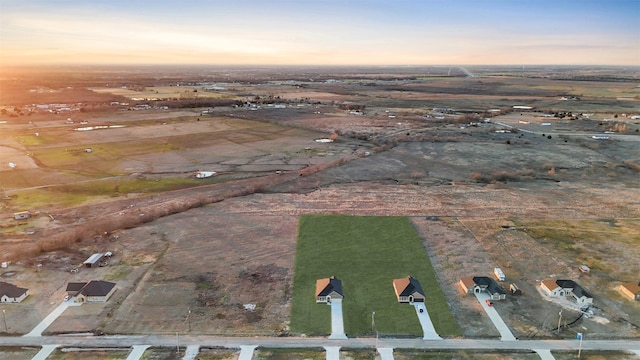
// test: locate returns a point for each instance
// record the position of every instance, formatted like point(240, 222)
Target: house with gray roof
point(566, 289)
point(478, 284)
point(327, 289)
point(408, 290)
point(10, 293)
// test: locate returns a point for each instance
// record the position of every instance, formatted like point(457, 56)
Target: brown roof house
point(10, 293)
point(630, 290)
point(566, 288)
point(478, 284)
point(327, 289)
point(408, 290)
point(92, 291)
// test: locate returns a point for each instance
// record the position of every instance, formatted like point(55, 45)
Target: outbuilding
point(22, 215)
point(93, 260)
point(630, 290)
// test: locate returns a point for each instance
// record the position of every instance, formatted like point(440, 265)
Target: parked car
point(67, 298)
point(489, 302)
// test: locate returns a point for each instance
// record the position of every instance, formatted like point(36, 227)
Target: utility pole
point(559, 320)
point(189, 319)
point(4, 317)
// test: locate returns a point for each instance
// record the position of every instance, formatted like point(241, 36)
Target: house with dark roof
point(92, 291)
point(630, 290)
point(566, 289)
point(327, 289)
point(478, 284)
point(10, 293)
point(408, 290)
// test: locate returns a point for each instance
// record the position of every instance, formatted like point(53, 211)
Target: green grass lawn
point(366, 253)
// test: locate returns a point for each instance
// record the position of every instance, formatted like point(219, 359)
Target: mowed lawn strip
point(366, 253)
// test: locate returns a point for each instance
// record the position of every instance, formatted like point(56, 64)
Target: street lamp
point(373, 327)
point(559, 319)
point(580, 336)
point(189, 319)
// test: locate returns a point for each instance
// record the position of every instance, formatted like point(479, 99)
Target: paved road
point(505, 332)
point(297, 342)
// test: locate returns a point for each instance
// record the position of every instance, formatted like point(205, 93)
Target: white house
point(567, 289)
point(327, 289)
point(10, 293)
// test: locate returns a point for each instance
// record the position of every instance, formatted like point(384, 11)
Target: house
point(93, 260)
point(327, 289)
point(10, 293)
point(630, 290)
point(92, 291)
point(566, 288)
point(22, 215)
point(408, 290)
point(478, 284)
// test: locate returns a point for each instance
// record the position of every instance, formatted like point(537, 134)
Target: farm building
point(92, 291)
point(93, 260)
point(630, 290)
point(327, 289)
point(477, 284)
point(408, 290)
point(22, 215)
point(10, 293)
point(566, 288)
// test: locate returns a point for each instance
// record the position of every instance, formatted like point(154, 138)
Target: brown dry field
point(193, 271)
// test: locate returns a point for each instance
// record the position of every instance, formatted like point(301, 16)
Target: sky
point(320, 32)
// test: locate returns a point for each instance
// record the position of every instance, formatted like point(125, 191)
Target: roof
point(326, 286)
point(632, 287)
point(407, 286)
point(75, 286)
point(468, 281)
point(550, 284)
point(492, 286)
point(11, 290)
point(93, 258)
point(577, 290)
point(97, 288)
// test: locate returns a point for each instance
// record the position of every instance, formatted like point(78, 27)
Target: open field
point(366, 253)
point(537, 200)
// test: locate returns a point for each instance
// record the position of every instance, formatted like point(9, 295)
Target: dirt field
point(507, 199)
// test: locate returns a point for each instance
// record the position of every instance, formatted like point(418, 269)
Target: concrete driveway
point(505, 332)
point(337, 325)
point(425, 321)
point(49, 319)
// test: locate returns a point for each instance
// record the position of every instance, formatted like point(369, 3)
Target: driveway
point(246, 352)
point(49, 319)
point(191, 352)
point(44, 353)
point(505, 333)
point(137, 352)
point(425, 321)
point(544, 354)
point(337, 325)
point(385, 353)
point(333, 352)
